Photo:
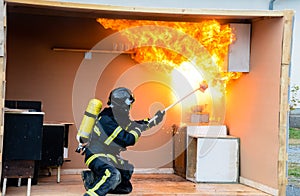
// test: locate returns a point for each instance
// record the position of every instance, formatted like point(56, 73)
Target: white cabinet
point(207, 130)
point(212, 159)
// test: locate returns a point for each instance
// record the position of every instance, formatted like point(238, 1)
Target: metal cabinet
point(22, 146)
point(55, 143)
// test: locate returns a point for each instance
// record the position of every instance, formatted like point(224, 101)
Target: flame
point(177, 46)
point(156, 46)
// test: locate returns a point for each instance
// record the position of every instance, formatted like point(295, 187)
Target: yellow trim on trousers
point(97, 186)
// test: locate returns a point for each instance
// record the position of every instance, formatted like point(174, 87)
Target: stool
point(18, 169)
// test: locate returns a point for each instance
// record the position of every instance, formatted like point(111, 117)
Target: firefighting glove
point(139, 127)
point(142, 127)
point(159, 117)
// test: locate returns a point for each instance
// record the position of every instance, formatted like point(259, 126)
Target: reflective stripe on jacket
point(109, 137)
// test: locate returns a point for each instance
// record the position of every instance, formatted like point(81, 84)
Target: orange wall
point(253, 105)
point(65, 81)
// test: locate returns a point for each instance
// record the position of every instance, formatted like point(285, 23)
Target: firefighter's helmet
point(121, 97)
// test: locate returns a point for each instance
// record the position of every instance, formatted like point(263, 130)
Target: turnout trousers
point(109, 176)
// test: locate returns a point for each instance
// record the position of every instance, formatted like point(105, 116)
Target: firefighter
point(112, 133)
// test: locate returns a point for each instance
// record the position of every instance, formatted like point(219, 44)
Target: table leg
point(28, 186)
point(4, 187)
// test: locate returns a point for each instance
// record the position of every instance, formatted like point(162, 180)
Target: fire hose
point(203, 86)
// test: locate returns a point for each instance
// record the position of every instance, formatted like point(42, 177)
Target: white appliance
point(212, 159)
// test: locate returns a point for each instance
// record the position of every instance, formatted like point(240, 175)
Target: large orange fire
point(181, 47)
point(157, 46)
